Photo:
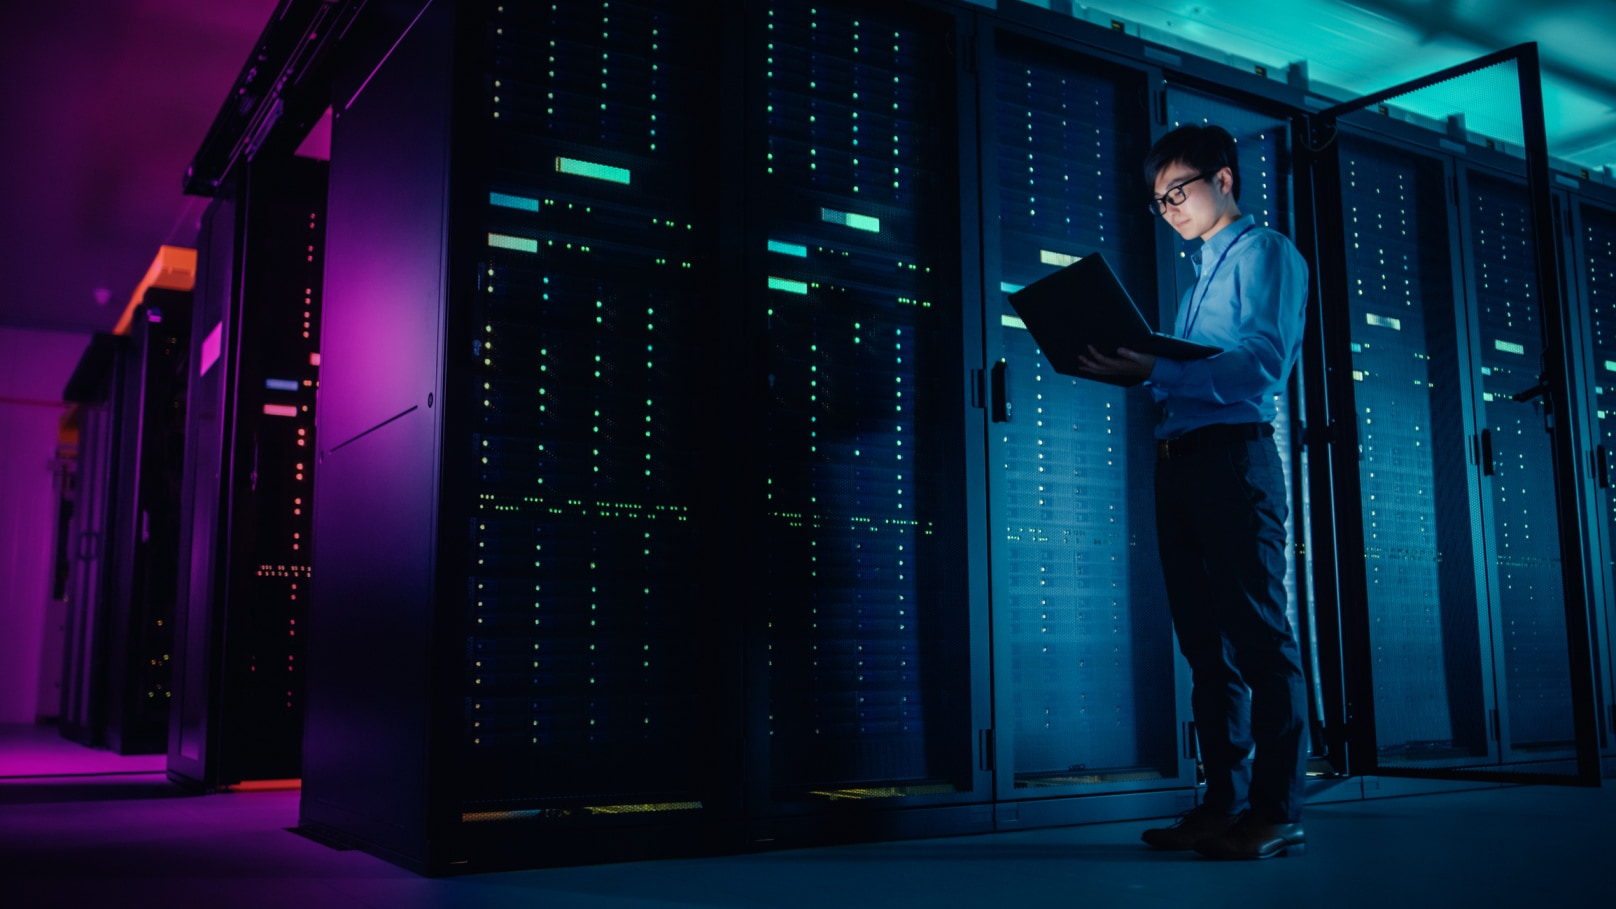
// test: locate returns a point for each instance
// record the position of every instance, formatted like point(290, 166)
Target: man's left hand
point(1126, 363)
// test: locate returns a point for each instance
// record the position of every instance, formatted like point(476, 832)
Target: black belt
point(1210, 437)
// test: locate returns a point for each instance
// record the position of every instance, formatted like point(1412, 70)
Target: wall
point(34, 367)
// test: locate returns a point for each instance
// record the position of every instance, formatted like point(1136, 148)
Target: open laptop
point(1085, 304)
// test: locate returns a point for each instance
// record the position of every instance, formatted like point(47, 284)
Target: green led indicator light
point(520, 244)
point(592, 170)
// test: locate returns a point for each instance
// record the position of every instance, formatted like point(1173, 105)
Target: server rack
point(1535, 703)
point(94, 387)
point(528, 442)
point(237, 711)
point(144, 548)
point(868, 692)
point(1084, 659)
point(1590, 214)
point(130, 389)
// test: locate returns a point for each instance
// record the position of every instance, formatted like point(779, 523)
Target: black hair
point(1207, 149)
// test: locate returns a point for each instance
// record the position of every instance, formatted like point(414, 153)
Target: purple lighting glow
point(210, 349)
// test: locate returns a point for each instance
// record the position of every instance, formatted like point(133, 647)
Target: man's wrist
point(1165, 372)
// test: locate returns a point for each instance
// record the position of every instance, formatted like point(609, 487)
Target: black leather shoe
point(1254, 838)
point(1192, 827)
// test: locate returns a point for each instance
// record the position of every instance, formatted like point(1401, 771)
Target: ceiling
point(107, 101)
point(1357, 47)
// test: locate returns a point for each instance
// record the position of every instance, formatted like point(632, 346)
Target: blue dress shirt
point(1249, 298)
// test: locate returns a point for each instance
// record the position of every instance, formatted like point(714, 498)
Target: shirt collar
point(1219, 243)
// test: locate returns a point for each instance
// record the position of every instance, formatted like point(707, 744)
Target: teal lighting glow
point(1384, 321)
point(1610, 365)
point(789, 249)
point(518, 202)
point(796, 287)
point(592, 170)
point(1509, 347)
point(506, 241)
point(1009, 288)
point(857, 221)
point(1009, 321)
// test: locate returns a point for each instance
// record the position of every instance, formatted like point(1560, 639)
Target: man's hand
point(1126, 363)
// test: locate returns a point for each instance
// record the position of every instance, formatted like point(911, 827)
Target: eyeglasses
point(1175, 196)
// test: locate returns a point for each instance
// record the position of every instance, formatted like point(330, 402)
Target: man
point(1220, 501)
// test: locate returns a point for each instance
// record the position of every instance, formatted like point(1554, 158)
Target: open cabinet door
point(1457, 561)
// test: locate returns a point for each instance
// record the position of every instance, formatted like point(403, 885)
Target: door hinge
point(984, 750)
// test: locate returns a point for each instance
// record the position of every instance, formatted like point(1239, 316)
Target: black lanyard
point(1195, 310)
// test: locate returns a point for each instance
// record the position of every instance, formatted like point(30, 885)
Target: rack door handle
point(1536, 390)
point(1487, 452)
point(1602, 466)
point(999, 395)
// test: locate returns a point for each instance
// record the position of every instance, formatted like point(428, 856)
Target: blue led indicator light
point(518, 202)
point(790, 249)
point(281, 384)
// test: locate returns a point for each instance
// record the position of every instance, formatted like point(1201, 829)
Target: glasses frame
point(1158, 203)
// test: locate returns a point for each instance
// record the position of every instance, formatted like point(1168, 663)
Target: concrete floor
point(125, 837)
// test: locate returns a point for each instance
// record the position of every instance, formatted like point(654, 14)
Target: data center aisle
point(135, 841)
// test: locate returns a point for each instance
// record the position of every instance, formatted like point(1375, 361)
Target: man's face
point(1203, 199)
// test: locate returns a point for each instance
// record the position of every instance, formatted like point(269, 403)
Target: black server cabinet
point(1085, 680)
point(526, 448)
point(1591, 264)
point(1421, 536)
point(144, 547)
point(93, 387)
point(864, 698)
point(244, 571)
point(131, 394)
point(1519, 507)
point(1459, 654)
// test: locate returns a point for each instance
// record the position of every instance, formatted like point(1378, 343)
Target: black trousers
point(1220, 516)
